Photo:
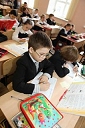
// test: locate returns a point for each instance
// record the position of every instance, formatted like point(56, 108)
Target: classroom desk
point(52, 29)
point(10, 106)
point(7, 56)
point(78, 43)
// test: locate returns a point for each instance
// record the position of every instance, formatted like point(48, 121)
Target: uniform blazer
point(58, 62)
point(50, 22)
point(59, 38)
point(26, 71)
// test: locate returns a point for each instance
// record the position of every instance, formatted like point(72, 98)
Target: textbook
point(40, 112)
point(20, 121)
point(72, 100)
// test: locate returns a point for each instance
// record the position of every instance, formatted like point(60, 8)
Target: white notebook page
point(52, 81)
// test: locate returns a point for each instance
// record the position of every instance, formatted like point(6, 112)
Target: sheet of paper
point(52, 81)
point(17, 49)
point(64, 84)
point(73, 100)
point(72, 74)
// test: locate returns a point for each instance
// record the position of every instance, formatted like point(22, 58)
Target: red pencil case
point(3, 52)
point(40, 112)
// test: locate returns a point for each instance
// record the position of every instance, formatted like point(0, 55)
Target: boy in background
point(31, 63)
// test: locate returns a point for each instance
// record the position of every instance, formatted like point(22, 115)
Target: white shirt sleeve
point(15, 35)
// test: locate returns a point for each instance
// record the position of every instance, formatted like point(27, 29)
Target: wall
point(41, 5)
point(78, 18)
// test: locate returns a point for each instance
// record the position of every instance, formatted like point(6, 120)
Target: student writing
point(60, 58)
point(22, 33)
point(38, 49)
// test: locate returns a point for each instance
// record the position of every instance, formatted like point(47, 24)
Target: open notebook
point(17, 49)
point(52, 81)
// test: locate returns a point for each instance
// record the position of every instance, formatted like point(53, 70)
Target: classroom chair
point(8, 68)
point(9, 34)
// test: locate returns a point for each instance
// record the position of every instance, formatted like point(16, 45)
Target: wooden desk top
point(9, 55)
point(10, 106)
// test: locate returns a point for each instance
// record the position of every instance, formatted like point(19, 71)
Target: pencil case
point(40, 112)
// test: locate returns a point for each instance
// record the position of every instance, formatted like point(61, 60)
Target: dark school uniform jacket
point(26, 71)
point(50, 22)
point(58, 62)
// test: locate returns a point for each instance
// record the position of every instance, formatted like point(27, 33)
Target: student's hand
point(44, 86)
point(66, 65)
point(75, 68)
point(43, 78)
point(22, 40)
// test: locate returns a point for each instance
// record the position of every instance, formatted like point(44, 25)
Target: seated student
point(12, 15)
point(35, 14)
point(23, 6)
point(22, 33)
point(64, 32)
point(72, 31)
point(51, 20)
point(25, 13)
point(42, 20)
point(31, 63)
point(60, 58)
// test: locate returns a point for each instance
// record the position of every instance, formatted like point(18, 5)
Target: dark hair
point(50, 15)
point(69, 53)
point(25, 9)
point(25, 2)
point(28, 21)
point(39, 40)
point(68, 24)
point(13, 12)
point(43, 15)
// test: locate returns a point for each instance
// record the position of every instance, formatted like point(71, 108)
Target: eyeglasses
point(42, 55)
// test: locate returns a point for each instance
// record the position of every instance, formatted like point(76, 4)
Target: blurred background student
point(35, 14)
point(51, 20)
point(65, 31)
point(23, 32)
point(12, 16)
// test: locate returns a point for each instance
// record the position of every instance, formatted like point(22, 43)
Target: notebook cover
point(3, 52)
point(40, 112)
point(20, 121)
point(6, 24)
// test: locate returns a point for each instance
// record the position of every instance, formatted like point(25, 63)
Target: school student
point(22, 33)
point(35, 14)
point(61, 58)
point(50, 20)
point(42, 20)
point(31, 63)
point(12, 16)
point(63, 32)
point(25, 13)
point(72, 31)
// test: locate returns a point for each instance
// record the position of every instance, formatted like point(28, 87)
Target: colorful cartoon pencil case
point(40, 112)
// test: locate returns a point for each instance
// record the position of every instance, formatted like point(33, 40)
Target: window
point(29, 2)
point(59, 7)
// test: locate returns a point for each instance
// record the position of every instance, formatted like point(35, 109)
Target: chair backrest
point(9, 66)
point(9, 34)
